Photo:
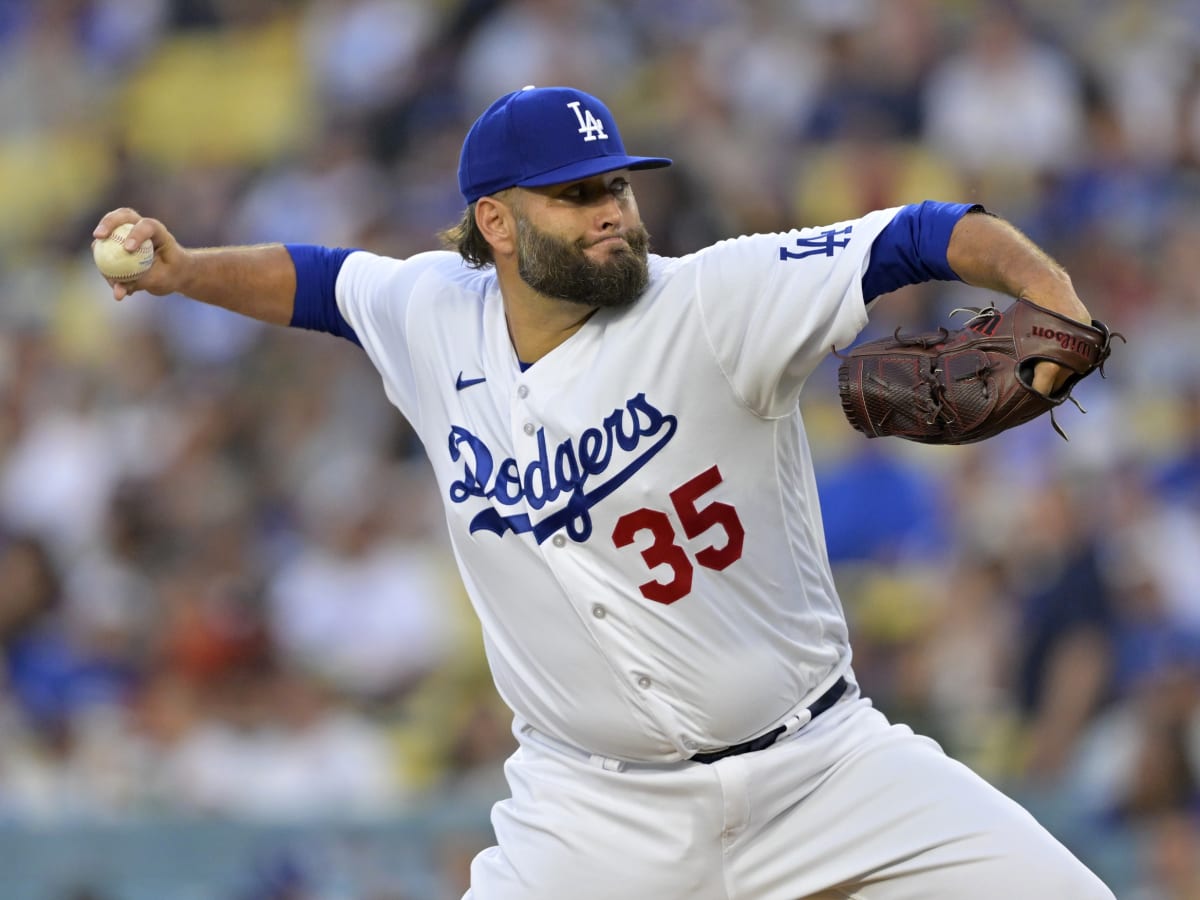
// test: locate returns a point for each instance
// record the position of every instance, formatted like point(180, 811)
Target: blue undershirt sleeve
point(912, 247)
point(315, 305)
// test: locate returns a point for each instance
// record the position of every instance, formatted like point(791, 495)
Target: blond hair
point(466, 238)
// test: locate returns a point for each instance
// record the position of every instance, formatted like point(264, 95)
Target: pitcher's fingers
point(1045, 376)
point(111, 220)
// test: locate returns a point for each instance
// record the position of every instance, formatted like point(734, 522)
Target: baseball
point(117, 263)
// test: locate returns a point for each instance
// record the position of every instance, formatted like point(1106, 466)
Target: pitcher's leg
point(574, 831)
point(974, 841)
point(893, 818)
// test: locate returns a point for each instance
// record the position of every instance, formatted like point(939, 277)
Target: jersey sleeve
point(912, 247)
point(374, 296)
point(315, 304)
point(773, 305)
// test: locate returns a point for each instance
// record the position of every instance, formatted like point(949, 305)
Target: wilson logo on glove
point(1074, 343)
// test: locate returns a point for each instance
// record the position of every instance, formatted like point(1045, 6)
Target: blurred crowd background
point(226, 600)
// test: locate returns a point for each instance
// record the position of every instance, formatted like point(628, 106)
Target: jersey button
point(599, 611)
point(523, 392)
point(644, 683)
point(689, 744)
point(530, 428)
point(558, 540)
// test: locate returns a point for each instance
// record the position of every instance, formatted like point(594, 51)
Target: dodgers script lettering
point(639, 428)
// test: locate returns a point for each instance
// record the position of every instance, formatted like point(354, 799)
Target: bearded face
point(560, 268)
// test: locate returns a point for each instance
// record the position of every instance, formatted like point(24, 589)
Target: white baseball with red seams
point(117, 263)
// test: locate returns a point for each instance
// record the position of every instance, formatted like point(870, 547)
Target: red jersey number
point(696, 520)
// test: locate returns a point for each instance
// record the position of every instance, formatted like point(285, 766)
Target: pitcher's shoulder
point(431, 274)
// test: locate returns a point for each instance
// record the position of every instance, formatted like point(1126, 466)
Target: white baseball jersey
point(635, 515)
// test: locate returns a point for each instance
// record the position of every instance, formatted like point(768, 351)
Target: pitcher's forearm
point(258, 281)
point(988, 252)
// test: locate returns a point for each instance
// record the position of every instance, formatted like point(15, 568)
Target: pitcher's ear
point(497, 222)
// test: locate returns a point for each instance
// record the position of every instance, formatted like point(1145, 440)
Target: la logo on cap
point(589, 126)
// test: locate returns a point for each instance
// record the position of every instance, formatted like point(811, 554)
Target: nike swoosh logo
point(466, 382)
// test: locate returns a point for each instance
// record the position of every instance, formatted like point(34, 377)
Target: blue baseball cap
point(539, 136)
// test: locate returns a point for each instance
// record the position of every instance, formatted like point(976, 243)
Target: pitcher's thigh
point(572, 831)
point(944, 833)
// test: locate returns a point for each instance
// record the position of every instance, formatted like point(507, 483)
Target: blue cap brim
point(596, 165)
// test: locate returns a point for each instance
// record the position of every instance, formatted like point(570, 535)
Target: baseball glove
point(957, 387)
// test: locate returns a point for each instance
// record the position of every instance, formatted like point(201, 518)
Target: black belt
point(822, 703)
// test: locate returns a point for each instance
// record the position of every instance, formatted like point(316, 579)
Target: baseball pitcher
point(630, 495)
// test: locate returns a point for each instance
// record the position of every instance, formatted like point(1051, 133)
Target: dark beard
point(559, 268)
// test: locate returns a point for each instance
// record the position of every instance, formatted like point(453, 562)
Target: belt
point(822, 703)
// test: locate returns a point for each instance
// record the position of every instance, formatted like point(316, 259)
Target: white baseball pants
point(848, 807)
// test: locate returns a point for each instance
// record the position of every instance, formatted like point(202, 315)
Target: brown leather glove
point(957, 387)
